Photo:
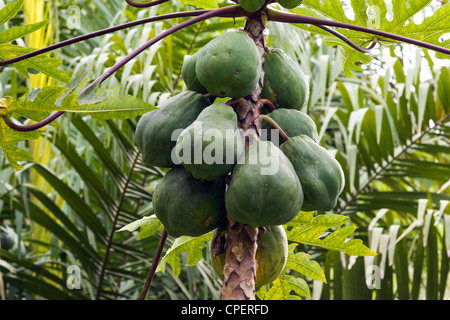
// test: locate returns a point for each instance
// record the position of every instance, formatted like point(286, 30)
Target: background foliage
point(388, 127)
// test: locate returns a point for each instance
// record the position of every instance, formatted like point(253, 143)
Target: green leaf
point(117, 106)
point(10, 11)
point(309, 229)
point(8, 140)
point(149, 225)
point(14, 33)
point(283, 286)
point(103, 104)
point(205, 4)
point(42, 63)
point(192, 245)
point(301, 262)
point(374, 14)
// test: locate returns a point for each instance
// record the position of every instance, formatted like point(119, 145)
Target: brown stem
point(145, 4)
point(155, 262)
point(239, 272)
point(347, 40)
point(269, 103)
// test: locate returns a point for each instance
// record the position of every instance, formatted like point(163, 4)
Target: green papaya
point(264, 189)
point(212, 144)
point(251, 5)
point(271, 255)
point(293, 123)
point(290, 4)
point(157, 131)
point(189, 75)
point(187, 206)
point(229, 65)
point(320, 174)
point(285, 84)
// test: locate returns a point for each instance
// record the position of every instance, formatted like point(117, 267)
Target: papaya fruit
point(189, 75)
point(320, 174)
point(264, 189)
point(156, 131)
point(187, 206)
point(229, 65)
point(290, 4)
point(293, 123)
point(251, 5)
point(285, 84)
point(212, 144)
point(271, 255)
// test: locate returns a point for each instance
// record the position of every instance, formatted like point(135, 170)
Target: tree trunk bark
point(239, 241)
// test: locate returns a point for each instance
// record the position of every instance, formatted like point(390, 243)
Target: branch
point(34, 126)
point(348, 41)
point(155, 262)
point(103, 32)
point(113, 228)
point(278, 16)
point(229, 11)
point(145, 4)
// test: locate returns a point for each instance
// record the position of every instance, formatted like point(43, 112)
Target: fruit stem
point(239, 273)
point(276, 125)
point(155, 262)
point(145, 4)
point(269, 103)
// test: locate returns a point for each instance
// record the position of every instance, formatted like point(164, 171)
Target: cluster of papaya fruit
point(212, 174)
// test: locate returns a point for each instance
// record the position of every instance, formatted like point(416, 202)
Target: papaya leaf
point(149, 225)
point(10, 11)
point(14, 33)
point(116, 106)
point(42, 63)
point(192, 245)
point(301, 262)
point(283, 286)
point(310, 230)
point(375, 14)
point(100, 103)
point(8, 140)
point(205, 4)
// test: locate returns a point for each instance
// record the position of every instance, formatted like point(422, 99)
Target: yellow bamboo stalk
point(36, 11)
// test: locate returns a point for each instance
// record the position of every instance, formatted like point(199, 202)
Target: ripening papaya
point(320, 174)
point(271, 254)
point(290, 4)
point(264, 189)
point(251, 5)
point(293, 123)
point(187, 206)
point(157, 131)
point(229, 65)
point(189, 75)
point(211, 145)
point(285, 84)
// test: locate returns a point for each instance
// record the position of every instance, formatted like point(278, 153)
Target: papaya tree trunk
point(240, 240)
